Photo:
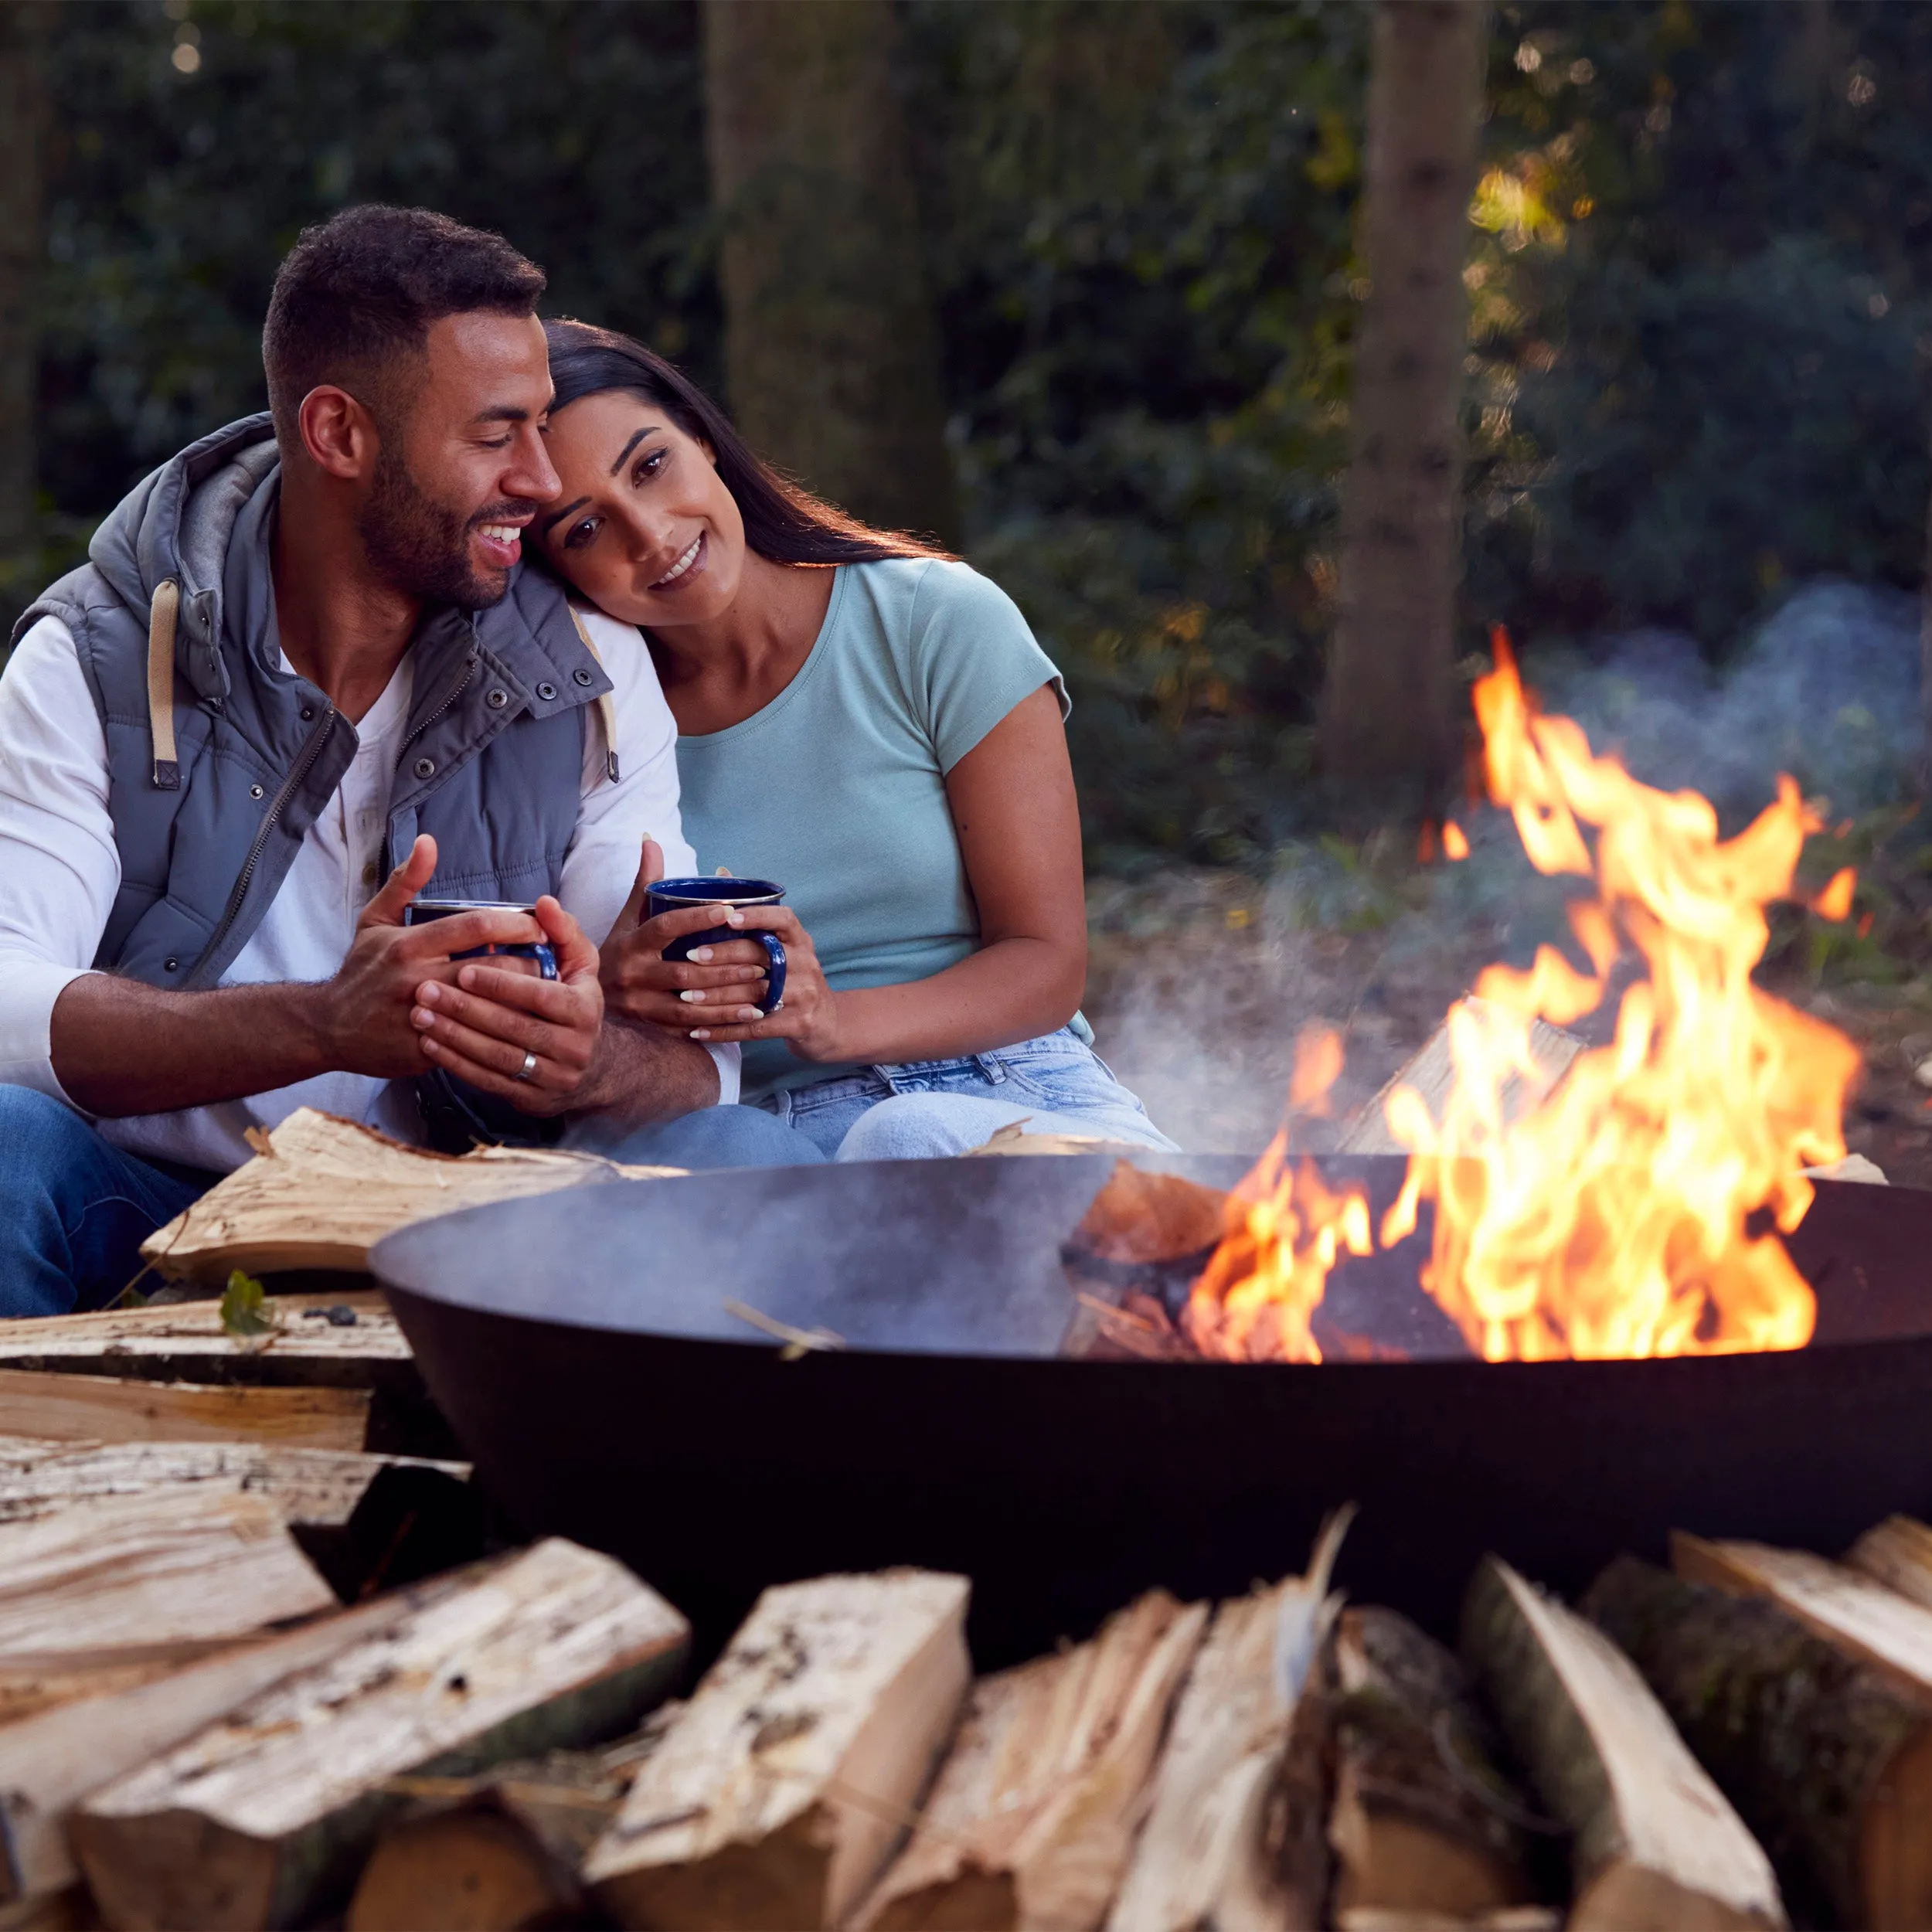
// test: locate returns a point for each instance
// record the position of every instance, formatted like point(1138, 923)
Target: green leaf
point(246, 1309)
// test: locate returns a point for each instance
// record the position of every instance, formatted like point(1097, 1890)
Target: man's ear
point(337, 432)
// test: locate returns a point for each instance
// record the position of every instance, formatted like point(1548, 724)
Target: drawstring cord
point(161, 614)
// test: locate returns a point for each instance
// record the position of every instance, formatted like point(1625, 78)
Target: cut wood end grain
point(255, 1820)
point(1032, 1817)
point(777, 1794)
point(1898, 1554)
point(322, 1192)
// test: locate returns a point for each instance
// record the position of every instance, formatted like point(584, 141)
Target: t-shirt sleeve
point(971, 658)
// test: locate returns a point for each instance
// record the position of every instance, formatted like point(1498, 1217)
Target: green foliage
point(246, 1312)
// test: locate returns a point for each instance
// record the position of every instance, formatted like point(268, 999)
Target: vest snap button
point(426, 767)
point(497, 700)
point(546, 691)
point(254, 791)
point(171, 964)
point(308, 711)
point(582, 677)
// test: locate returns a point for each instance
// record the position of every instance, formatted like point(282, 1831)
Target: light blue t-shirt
point(837, 788)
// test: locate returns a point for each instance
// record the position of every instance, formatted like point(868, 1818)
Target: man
point(304, 659)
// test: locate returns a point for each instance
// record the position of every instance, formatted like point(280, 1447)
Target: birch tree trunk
point(1387, 711)
point(831, 349)
point(20, 131)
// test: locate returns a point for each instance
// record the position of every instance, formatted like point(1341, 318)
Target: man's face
point(461, 470)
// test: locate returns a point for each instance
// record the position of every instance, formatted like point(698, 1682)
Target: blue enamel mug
point(419, 912)
point(672, 895)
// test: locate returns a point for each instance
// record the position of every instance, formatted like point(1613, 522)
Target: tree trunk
point(1387, 708)
point(20, 128)
point(831, 349)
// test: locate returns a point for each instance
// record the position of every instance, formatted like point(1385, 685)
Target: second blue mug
point(670, 895)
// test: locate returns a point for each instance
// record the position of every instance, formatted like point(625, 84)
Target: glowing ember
point(1631, 1211)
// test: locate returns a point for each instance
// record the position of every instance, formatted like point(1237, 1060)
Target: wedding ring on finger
point(527, 1068)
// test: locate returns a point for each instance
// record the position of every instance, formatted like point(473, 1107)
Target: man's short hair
point(353, 302)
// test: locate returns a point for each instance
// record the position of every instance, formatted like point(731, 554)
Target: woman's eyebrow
point(650, 429)
point(557, 516)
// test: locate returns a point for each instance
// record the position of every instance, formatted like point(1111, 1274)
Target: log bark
point(1386, 713)
point(1031, 1822)
point(777, 1794)
point(1827, 1762)
point(100, 1408)
point(321, 1192)
point(1233, 1841)
point(123, 1574)
point(265, 1817)
point(1654, 1844)
point(1860, 1615)
point(317, 1488)
point(1898, 1554)
point(831, 349)
point(1422, 1817)
point(49, 1761)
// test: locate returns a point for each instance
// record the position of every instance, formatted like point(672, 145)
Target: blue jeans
point(915, 1110)
point(74, 1211)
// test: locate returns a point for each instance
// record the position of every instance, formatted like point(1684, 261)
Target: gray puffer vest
point(219, 765)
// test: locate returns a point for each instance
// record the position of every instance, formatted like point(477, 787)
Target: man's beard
point(422, 547)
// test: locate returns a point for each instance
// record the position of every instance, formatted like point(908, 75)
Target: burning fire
point(1630, 1211)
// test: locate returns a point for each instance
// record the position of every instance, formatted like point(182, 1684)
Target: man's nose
point(530, 475)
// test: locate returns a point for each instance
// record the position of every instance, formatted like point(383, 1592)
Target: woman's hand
point(809, 1017)
point(727, 979)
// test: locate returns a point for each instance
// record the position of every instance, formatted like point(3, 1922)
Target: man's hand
point(494, 1023)
point(363, 1014)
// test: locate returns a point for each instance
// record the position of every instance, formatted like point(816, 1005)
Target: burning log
point(264, 1818)
point(1655, 1843)
point(50, 1760)
point(1862, 1616)
point(777, 1793)
point(1898, 1552)
point(1234, 1834)
point(104, 1409)
point(321, 1192)
point(118, 1578)
point(1422, 1819)
point(1827, 1761)
point(1032, 1819)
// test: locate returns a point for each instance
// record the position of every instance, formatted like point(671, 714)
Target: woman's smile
point(689, 565)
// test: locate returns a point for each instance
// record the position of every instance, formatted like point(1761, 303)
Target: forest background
point(1109, 258)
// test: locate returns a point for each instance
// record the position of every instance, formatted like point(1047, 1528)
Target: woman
point(869, 723)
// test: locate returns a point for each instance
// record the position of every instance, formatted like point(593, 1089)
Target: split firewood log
point(264, 1818)
point(319, 1487)
point(777, 1793)
point(500, 1850)
point(1032, 1820)
point(124, 1574)
point(1432, 1073)
point(1138, 1218)
point(1233, 1837)
point(89, 1408)
point(1864, 1617)
point(1898, 1552)
point(322, 1191)
point(1508, 1918)
point(1827, 1761)
point(1654, 1844)
point(50, 1760)
point(1422, 1817)
point(1013, 1138)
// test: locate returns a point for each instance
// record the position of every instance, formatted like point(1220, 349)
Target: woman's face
point(645, 528)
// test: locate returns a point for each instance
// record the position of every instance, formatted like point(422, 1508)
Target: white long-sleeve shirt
point(60, 871)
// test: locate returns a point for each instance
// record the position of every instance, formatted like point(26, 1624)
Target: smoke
point(1201, 981)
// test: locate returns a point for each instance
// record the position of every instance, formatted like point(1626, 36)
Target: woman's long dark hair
point(784, 522)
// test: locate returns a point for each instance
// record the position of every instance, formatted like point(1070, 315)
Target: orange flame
point(1624, 1213)
point(1453, 842)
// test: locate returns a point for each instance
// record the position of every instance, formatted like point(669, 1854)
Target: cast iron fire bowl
point(579, 1345)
